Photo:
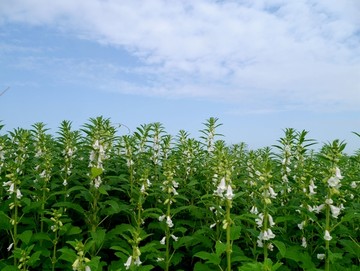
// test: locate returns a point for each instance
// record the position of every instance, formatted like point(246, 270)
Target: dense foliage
point(90, 199)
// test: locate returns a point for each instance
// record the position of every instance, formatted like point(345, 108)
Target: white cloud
point(277, 53)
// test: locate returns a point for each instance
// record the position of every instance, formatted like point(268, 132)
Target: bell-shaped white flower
point(254, 210)
point(327, 236)
point(312, 188)
point(303, 242)
point(259, 221)
point(335, 211)
point(271, 221)
point(221, 188)
point(128, 263)
point(169, 222)
point(338, 173)
point(229, 193)
point(272, 192)
point(137, 261)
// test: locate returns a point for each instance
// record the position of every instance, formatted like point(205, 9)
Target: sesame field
point(91, 199)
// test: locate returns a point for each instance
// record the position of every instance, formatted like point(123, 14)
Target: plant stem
point(327, 242)
point(228, 236)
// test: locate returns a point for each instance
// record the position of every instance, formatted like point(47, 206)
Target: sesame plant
point(94, 199)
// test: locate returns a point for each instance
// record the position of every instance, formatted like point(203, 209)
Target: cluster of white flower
point(224, 188)
point(169, 187)
point(334, 181)
point(169, 222)
point(12, 188)
point(156, 150)
point(134, 258)
point(2, 156)
point(98, 154)
point(131, 260)
point(266, 233)
point(68, 154)
point(145, 186)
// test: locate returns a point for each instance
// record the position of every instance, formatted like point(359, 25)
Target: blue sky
point(258, 66)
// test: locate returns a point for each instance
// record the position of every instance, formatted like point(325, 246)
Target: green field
point(91, 199)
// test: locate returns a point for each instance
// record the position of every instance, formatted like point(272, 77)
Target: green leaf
point(10, 268)
point(201, 267)
point(220, 248)
point(98, 236)
point(95, 172)
point(34, 258)
point(26, 236)
point(209, 257)
point(70, 205)
point(235, 233)
point(102, 190)
point(4, 221)
point(281, 247)
point(67, 254)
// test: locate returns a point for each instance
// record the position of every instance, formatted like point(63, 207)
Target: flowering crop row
point(90, 199)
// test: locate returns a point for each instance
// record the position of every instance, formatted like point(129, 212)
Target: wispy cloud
point(268, 54)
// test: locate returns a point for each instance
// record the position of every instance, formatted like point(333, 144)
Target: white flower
point(11, 188)
point(272, 192)
point(338, 173)
point(76, 264)
point(259, 220)
point(221, 188)
point(169, 222)
point(18, 194)
point(271, 247)
point(229, 193)
point(254, 210)
point(160, 259)
point(65, 183)
point(162, 241)
point(213, 225)
point(174, 237)
point(285, 179)
point(327, 236)
point(259, 243)
point(43, 174)
point(142, 189)
point(301, 225)
point(8, 183)
point(271, 221)
point(137, 261)
point(353, 184)
point(10, 246)
point(303, 242)
point(334, 182)
point(329, 201)
point(97, 182)
point(320, 256)
point(268, 234)
point(128, 263)
point(335, 211)
point(317, 209)
point(162, 217)
point(312, 187)
point(87, 268)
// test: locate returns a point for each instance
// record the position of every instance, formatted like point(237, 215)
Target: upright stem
point(167, 240)
point(15, 239)
point(228, 236)
point(53, 259)
point(327, 243)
